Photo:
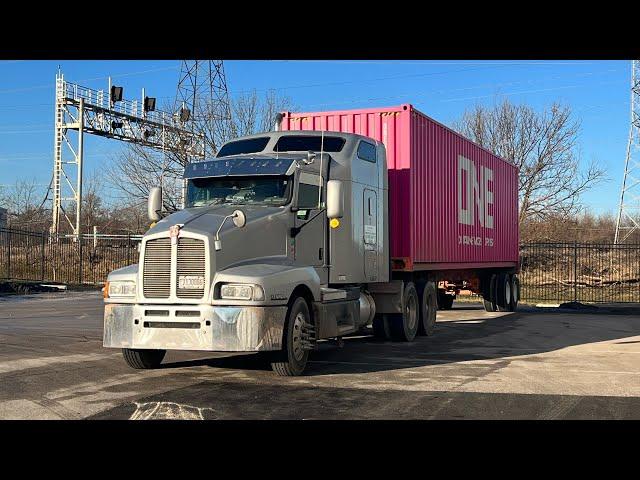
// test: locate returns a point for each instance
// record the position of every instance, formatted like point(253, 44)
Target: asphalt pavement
point(533, 364)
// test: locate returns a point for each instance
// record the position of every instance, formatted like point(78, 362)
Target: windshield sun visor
point(239, 167)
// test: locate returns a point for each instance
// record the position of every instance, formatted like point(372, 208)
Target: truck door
point(370, 232)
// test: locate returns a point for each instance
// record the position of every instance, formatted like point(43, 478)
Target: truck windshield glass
point(263, 190)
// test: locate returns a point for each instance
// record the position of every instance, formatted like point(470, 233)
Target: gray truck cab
point(283, 239)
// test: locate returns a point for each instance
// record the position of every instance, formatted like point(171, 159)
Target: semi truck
point(332, 223)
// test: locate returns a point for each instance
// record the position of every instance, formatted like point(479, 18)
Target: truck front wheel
point(143, 359)
point(292, 359)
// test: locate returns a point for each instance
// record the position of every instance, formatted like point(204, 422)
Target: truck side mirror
point(335, 203)
point(154, 204)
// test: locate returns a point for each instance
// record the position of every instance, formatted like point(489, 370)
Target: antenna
point(320, 179)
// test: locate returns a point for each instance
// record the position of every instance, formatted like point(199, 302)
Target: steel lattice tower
point(628, 220)
point(202, 89)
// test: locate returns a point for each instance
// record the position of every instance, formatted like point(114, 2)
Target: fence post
point(42, 260)
point(9, 256)
point(80, 262)
point(575, 270)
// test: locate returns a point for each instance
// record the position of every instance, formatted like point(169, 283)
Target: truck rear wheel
point(489, 294)
point(404, 326)
point(380, 326)
point(292, 359)
point(515, 292)
point(429, 307)
point(503, 292)
point(143, 359)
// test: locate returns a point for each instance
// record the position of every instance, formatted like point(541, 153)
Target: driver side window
point(308, 190)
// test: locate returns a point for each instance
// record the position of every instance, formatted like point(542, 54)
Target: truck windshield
point(263, 190)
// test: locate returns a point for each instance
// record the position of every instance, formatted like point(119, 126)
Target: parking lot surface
point(533, 364)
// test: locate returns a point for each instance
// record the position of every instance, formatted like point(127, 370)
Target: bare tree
point(137, 169)
point(24, 201)
point(544, 146)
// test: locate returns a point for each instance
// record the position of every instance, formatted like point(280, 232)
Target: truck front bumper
point(194, 327)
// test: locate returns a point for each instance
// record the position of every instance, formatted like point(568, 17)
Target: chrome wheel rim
point(296, 341)
point(507, 292)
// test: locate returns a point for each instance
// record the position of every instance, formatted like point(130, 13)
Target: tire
point(143, 359)
point(380, 326)
point(489, 295)
point(503, 292)
point(292, 359)
point(445, 302)
point(404, 326)
point(429, 309)
point(515, 292)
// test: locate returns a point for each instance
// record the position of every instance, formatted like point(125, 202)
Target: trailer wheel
point(503, 292)
point(380, 326)
point(445, 302)
point(429, 307)
point(489, 294)
point(143, 359)
point(515, 292)
point(404, 326)
point(292, 359)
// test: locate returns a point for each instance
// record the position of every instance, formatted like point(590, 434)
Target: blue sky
point(598, 92)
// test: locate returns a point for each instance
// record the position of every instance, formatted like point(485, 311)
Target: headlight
point(122, 289)
point(241, 291)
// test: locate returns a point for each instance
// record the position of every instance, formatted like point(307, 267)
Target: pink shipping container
point(452, 203)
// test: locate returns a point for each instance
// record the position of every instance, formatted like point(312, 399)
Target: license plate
point(190, 282)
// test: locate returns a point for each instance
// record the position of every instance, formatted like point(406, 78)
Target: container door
point(370, 232)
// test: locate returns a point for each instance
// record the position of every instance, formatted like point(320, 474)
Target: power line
point(52, 85)
point(438, 91)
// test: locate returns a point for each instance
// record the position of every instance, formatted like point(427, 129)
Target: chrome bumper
point(219, 329)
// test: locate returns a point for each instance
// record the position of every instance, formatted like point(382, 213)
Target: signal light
point(116, 94)
point(149, 104)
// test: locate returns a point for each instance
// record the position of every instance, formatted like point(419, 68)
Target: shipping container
point(452, 203)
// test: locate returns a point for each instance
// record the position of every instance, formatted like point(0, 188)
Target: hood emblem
point(174, 233)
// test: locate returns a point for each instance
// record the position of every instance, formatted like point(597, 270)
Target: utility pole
point(628, 220)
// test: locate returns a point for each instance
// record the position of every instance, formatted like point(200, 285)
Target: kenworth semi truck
point(333, 222)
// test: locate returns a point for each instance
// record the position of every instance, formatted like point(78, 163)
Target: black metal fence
point(580, 272)
point(40, 257)
point(549, 272)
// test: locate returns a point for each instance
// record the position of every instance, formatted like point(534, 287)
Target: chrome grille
point(191, 261)
point(156, 279)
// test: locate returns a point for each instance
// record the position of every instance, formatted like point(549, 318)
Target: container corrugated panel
point(450, 201)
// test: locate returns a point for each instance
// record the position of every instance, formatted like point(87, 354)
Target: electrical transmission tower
point(105, 113)
point(628, 220)
point(203, 98)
